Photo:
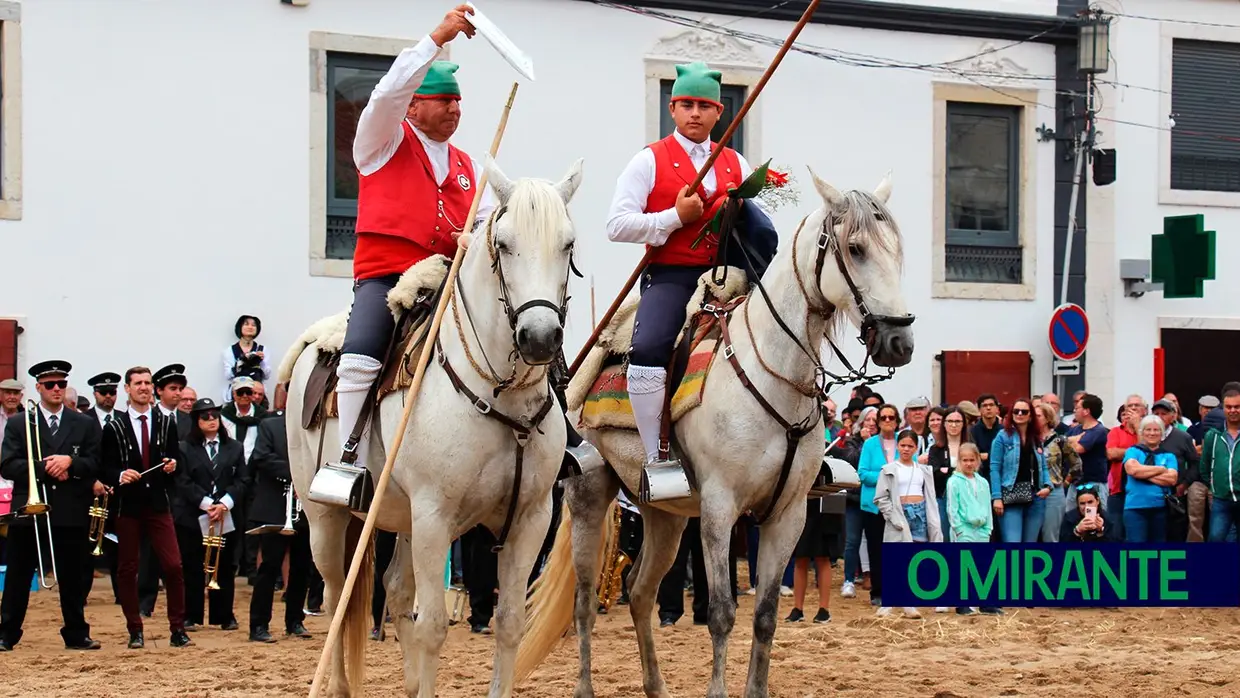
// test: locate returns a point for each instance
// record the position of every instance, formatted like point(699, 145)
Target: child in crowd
point(905, 497)
point(968, 506)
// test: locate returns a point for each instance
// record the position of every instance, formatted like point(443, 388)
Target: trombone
point(213, 543)
point(98, 519)
point(36, 504)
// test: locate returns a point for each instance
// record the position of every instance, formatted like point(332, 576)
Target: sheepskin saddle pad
point(411, 302)
point(600, 387)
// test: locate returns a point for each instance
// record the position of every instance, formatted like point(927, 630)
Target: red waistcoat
point(673, 171)
point(403, 216)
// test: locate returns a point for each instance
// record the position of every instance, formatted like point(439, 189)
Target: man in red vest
point(653, 206)
point(415, 191)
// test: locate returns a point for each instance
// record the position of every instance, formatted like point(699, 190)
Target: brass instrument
point(290, 516)
point(36, 504)
point(213, 542)
point(615, 561)
point(98, 519)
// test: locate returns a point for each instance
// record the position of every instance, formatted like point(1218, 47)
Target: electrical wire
point(1168, 20)
point(862, 60)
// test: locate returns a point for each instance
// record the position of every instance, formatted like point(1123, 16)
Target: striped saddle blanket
point(607, 404)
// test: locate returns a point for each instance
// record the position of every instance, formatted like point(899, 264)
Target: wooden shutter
point(967, 374)
point(8, 349)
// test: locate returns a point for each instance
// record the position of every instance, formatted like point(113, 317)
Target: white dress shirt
point(137, 426)
point(47, 415)
point(379, 132)
point(627, 221)
point(101, 415)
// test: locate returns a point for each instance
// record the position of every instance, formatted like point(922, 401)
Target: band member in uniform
point(169, 382)
point(140, 452)
point(273, 485)
point(69, 444)
point(215, 482)
point(415, 190)
point(104, 385)
point(653, 206)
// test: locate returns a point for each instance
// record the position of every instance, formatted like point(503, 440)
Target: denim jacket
point(1005, 462)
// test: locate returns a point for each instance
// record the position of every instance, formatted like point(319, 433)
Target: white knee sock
point(356, 373)
point(647, 388)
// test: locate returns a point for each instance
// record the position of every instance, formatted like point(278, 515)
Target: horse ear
point(831, 195)
point(568, 186)
point(500, 184)
point(883, 191)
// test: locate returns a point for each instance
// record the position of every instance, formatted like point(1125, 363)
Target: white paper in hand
point(500, 41)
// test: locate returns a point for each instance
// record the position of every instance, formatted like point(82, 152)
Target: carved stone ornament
point(694, 45)
point(992, 66)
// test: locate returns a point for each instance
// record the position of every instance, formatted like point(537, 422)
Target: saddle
point(412, 304)
point(600, 387)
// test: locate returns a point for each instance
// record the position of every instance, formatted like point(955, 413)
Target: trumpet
point(36, 504)
point(616, 561)
point(213, 542)
point(98, 519)
point(290, 516)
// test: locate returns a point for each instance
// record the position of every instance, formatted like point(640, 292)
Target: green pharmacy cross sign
point(1182, 258)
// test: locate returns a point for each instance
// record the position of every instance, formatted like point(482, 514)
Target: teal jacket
point(868, 468)
point(968, 508)
point(1220, 466)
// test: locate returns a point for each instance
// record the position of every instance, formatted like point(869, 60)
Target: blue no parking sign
point(1069, 332)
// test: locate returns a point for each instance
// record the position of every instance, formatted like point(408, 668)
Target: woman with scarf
point(1063, 464)
point(245, 357)
point(1150, 474)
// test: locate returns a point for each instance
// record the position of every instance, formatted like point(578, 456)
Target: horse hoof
point(584, 692)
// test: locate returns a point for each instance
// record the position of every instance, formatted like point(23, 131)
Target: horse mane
point(861, 221)
point(537, 211)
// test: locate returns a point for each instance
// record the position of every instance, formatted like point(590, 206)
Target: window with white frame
point(983, 216)
point(350, 80)
point(1205, 93)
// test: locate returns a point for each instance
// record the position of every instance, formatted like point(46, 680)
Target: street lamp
point(1094, 45)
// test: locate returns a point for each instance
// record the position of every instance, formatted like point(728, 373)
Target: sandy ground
point(1040, 652)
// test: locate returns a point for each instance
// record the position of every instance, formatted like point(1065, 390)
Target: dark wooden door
point(1199, 362)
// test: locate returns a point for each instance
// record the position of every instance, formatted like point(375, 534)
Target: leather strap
point(521, 429)
point(793, 433)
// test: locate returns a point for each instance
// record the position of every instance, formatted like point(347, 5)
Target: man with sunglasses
point(68, 442)
point(241, 416)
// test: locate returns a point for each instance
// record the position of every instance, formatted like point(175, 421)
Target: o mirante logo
point(1061, 574)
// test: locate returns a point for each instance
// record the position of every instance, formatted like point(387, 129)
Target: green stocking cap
point(440, 82)
point(698, 82)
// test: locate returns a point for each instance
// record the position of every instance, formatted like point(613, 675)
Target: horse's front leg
point(516, 561)
point(718, 518)
point(776, 542)
point(429, 553)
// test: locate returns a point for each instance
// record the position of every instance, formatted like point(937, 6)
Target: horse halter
point(497, 266)
point(513, 314)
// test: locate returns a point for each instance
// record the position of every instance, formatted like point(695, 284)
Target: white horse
point(844, 261)
point(456, 464)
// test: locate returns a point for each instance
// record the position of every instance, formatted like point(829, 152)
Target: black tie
point(55, 424)
point(107, 419)
point(212, 448)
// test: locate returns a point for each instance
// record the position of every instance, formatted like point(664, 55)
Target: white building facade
point(169, 166)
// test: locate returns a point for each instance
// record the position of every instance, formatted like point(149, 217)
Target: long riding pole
point(701, 175)
point(355, 566)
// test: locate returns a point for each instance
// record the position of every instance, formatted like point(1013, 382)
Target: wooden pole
point(333, 633)
point(701, 175)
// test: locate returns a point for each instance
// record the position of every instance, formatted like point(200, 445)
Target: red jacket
point(403, 216)
point(673, 171)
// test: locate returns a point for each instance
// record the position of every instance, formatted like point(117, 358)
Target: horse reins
point(522, 427)
point(794, 432)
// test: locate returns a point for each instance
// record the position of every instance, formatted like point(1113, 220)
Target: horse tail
point(355, 630)
point(551, 606)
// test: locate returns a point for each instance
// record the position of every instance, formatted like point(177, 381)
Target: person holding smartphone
point(1087, 523)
